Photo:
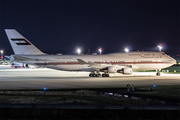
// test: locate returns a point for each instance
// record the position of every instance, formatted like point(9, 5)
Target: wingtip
point(81, 61)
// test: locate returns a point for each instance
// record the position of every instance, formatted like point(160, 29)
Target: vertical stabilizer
point(20, 44)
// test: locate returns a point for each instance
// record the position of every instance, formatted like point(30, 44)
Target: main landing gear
point(158, 72)
point(93, 74)
point(105, 75)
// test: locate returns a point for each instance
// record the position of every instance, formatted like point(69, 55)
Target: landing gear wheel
point(97, 75)
point(90, 75)
point(158, 74)
point(93, 75)
point(103, 75)
point(107, 75)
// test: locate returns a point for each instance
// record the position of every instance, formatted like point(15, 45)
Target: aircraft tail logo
point(20, 41)
point(20, 44)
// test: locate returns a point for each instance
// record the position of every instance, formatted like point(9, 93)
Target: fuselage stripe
point(76, 63)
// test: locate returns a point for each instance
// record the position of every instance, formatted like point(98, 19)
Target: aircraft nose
point(173, 61)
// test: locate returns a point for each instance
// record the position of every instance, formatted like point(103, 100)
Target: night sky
point(63, 26)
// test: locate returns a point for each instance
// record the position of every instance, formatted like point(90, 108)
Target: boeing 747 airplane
point(124, 63)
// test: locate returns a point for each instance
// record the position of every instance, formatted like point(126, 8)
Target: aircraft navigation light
point(160, 47)
point(1, 51)
point(126, 49)
point(78, 51)
point(100, 50)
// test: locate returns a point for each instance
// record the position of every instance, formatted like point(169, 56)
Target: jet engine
point(126, 71)
point(112, 69)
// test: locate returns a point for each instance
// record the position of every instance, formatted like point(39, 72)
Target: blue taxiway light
point(44, 88)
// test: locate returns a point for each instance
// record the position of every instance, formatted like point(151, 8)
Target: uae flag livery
point(20, 41)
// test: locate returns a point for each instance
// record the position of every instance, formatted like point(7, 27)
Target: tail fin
point(20, 44)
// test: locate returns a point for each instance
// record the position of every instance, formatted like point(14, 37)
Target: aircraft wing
point(94, 65)
point(100, 66)
point(81, 61)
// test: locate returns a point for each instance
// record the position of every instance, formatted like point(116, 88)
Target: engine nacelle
point(126, 71)
point(112, 69)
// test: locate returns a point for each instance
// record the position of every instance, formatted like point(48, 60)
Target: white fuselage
point(137, 60)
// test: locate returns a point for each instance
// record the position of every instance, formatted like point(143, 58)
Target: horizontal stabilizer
point(7, 57)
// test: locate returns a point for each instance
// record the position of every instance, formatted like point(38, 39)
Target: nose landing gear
point(158, 72)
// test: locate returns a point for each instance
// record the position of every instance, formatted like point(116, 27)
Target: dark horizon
point(63, 26)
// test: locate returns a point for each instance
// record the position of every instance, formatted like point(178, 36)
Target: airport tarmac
point(23, 78)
